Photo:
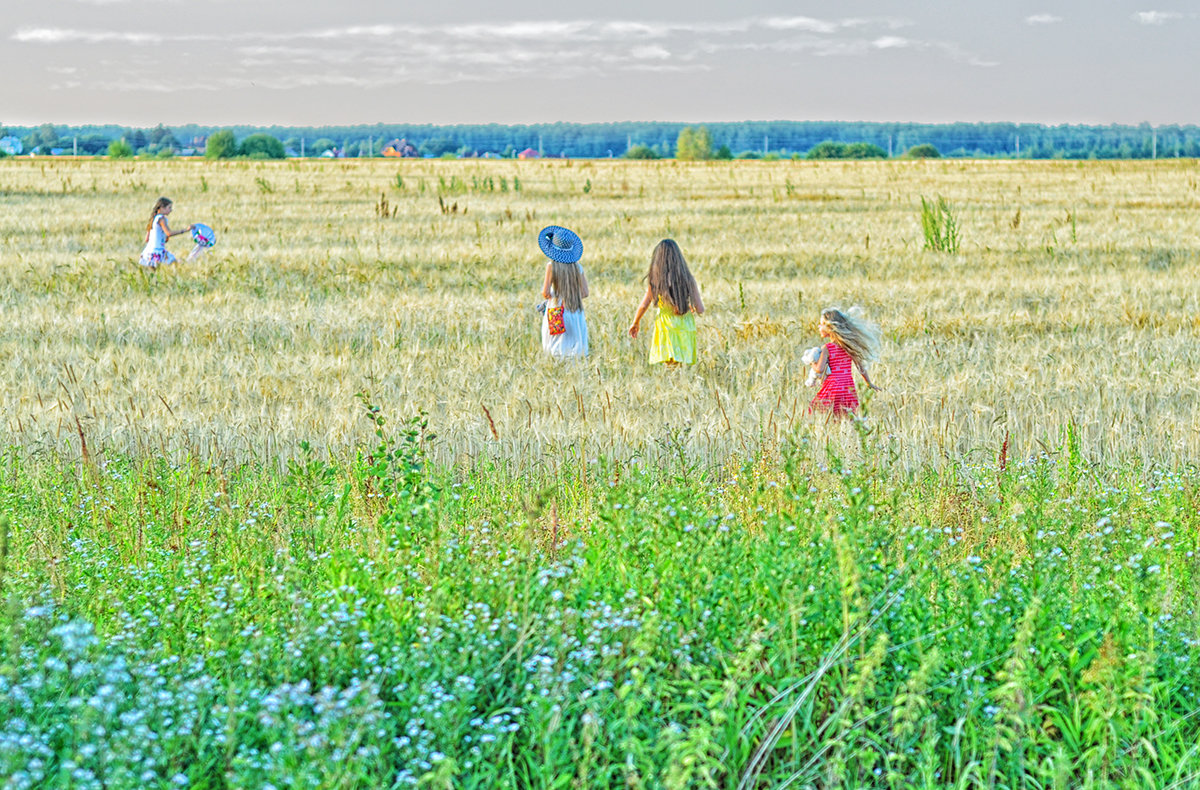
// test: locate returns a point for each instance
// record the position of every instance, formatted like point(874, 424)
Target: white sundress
point(571, 343)
point(155, 252)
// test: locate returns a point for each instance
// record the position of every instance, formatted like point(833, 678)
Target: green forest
point(747, 139)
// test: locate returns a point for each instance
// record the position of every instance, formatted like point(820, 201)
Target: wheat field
point(1071, 307)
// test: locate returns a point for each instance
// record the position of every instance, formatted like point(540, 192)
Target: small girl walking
point(157, 233)
point(670, 283)
point(852, 339)
point(565, 286)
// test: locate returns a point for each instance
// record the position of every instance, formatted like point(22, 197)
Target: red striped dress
point(837, 394)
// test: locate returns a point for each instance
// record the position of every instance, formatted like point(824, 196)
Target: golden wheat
point(1074, 301)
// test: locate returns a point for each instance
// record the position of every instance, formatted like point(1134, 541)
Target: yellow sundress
point(674, 336)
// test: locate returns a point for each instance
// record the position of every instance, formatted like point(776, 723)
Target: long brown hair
point(565, 282)
point(858, 336)
point(669, 276)
point(159, 205)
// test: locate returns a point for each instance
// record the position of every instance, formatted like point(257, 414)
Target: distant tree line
point(632, 139)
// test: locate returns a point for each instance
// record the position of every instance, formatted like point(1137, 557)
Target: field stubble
point(1073, 302)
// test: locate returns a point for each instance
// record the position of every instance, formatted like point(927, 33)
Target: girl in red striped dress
point(852, 339)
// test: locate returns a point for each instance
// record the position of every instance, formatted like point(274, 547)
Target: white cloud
point(653, 52)
point(1042, 19)
point(50, 35)
point(384, 53)
point(801, 23)
point(1156, 17)
point(665, 68)
point(536, 30)
point(956, 53)
point(354, 31)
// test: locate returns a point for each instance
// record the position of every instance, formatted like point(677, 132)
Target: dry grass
point(1083, 307)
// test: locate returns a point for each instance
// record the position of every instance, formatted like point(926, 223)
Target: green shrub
point(865, 151)
point(262, 146)
point(119, 149)
point(221, 145)
point(834, 150)
point(641, 152)
point(923, 151)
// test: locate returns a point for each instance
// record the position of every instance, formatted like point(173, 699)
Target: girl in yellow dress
point(672, 286)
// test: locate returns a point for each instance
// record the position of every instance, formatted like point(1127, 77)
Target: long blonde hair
point(855, 334)
point(159, 205)
point(669, 276)
point(566, 281)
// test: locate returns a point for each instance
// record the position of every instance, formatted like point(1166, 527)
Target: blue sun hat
point(560, 244)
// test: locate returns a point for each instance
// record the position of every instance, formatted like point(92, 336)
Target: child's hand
point(633, 330)
point(874, 387)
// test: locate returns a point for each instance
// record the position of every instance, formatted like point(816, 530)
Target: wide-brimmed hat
point(560, 244)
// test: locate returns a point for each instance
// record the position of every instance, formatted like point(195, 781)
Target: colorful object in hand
point(203, 235)
point(554, 320)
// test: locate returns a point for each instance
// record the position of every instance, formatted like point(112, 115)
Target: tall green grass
point(786, 619)
point(939, 226)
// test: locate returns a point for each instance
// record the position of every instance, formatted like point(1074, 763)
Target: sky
point(337, 62)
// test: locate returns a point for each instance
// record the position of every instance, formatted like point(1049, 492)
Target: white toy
point(205, 237)
point(810, 358)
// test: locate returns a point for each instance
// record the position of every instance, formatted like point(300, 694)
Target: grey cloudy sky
point(313, 62)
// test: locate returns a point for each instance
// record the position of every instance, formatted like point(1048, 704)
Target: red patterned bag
point(554, 320)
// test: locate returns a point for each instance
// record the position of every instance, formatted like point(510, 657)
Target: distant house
point(528, 153)
point(57, 151)
point(401, 148)
point(11, 145)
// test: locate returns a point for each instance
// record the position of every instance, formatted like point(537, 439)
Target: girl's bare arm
point(697, 302)
point(546, 283)
point(167, 229)
point(862, 372)
point(641, 311)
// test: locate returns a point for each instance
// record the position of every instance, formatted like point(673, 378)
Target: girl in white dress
point(157, 233)
point(564, 288)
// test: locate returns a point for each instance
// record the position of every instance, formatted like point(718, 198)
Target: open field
point(216, 572)
point(1074, 299)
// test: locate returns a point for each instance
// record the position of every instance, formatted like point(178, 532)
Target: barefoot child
point(853, 342)
point(670, 284)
